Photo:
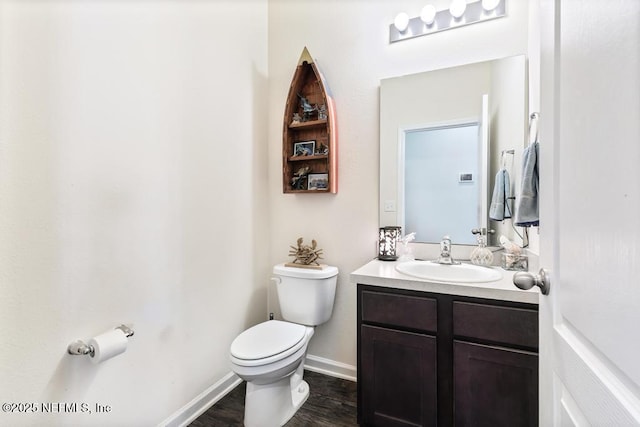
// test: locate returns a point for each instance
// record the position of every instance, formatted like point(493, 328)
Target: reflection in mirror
point(440, 181)
point(446, 96)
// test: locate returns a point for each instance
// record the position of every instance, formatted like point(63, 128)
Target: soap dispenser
point(481, 255)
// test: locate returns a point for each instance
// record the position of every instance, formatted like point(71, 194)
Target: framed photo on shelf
point(318, 181)
point(304, 148)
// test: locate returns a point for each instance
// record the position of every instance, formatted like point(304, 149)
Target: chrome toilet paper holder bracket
point(80, 348)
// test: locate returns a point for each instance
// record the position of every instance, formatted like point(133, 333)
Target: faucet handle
point(483, 231)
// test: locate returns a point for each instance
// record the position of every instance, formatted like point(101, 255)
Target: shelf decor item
point(305, 256)
point(304, 148)
point(388, 238)
point(309, 132)
point(318, 181)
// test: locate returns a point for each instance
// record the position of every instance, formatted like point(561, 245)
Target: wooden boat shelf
point(309, 143)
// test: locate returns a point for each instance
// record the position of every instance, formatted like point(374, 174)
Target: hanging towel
point(527, 204)
point(500, 209)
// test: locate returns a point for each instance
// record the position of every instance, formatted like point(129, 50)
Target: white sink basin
point(460, 273)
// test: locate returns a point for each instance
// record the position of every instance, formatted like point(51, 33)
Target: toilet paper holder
point(80, 348)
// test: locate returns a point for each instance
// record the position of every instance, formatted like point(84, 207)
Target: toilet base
point(272, 405)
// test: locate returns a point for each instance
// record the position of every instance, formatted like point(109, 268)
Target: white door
point(590, 212)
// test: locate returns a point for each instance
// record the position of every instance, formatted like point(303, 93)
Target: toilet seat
point(267, 342)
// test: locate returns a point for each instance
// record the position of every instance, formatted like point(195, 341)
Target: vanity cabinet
point(428, 359)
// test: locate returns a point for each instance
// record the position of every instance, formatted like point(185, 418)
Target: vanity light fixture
point(457, 8)
point(401, 22)
point(489, 5)
point(428, 14)
point(460, 13)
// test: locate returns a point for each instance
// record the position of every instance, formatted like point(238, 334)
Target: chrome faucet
point(445, 252)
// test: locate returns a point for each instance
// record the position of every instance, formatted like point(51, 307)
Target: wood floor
point(331, 403)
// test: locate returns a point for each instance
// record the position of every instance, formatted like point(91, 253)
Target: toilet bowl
point(270, 355)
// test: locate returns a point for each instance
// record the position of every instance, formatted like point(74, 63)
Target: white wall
point(133, 139)
point(349, 39)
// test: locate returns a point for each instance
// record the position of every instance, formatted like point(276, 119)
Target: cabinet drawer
point(418, 313)
point(506, 325)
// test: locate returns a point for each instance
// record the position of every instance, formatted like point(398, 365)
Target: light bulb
point(401, 22)
point(457, 8)
point(428, 14)
point(489, 5)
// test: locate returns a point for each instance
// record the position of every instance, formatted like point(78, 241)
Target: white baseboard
point(330, 367)
point(192, 410)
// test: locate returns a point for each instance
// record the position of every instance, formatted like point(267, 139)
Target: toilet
point(270, 355)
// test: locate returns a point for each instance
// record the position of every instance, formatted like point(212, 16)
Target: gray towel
point(500, 209)
point(527, 204)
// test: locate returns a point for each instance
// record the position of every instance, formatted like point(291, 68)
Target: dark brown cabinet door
point(398, 378)
point(494, 386)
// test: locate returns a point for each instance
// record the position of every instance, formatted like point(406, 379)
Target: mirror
point(486, 101)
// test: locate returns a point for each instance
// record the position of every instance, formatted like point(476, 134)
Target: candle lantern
point(387, 243)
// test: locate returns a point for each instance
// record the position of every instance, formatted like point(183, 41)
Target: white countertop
point(384, 274)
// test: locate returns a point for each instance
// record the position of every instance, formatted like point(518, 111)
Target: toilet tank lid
point(267, 339)
point(306, 273)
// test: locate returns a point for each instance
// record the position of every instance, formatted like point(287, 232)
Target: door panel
point(581, 372)
point(570, 413)
point(599, 248)
point(590, 199)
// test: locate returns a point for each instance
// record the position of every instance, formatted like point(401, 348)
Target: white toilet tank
point(306, 295)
